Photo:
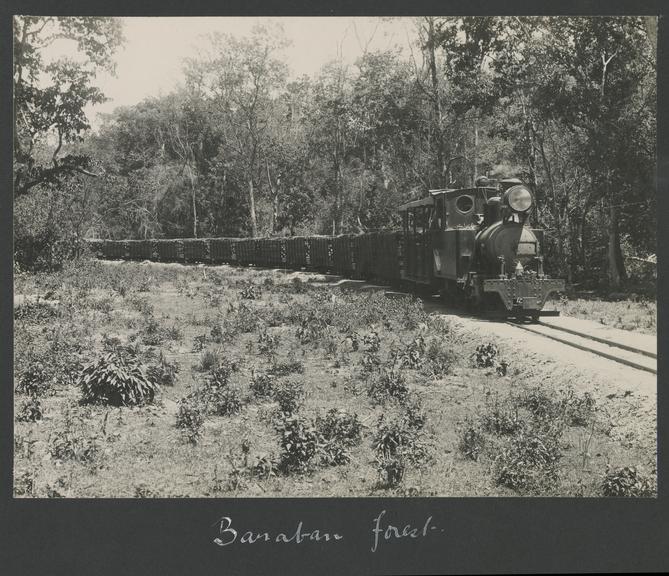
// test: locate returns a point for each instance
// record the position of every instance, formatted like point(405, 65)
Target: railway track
point(623, 353)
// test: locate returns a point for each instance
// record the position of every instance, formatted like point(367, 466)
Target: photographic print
point(388, 257)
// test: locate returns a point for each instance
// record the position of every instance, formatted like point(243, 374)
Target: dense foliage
point(565, 103)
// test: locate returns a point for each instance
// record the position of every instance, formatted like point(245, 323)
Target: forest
point(244, 148)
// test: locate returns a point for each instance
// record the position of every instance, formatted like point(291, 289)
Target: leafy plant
point(164, 372)
point(118, 380)
point(35, 380)
point(299, 442)
point(485, 355)
point(251, 292)
point(530, 462)
point(289, 394)
point(287, 367)
point(471, 441)
point(224, 401)
point(391, 383)
point(628, 482)
point(190, 419)
point(30, 411)
point(262, 385)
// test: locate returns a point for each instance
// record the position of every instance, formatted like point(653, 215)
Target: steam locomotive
point(471, 245)
point(475, 245)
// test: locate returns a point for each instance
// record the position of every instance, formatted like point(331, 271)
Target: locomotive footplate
point(525, 293)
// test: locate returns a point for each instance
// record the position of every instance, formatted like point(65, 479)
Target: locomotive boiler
point(476, 245)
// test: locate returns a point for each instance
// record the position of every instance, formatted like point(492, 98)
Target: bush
point(35, 312)
point(224, 401)
point(289, 394)
point(267, 344)
point(118, 380)
point(68, 444)
point(412, 356)
point(190, 419)
point(471, 441)
point(35, 380)
point(628, 482)
point(394, 438)
point(290, 366)
point(438, 359)
point(485, 355)
point(389, 384)
point(209, 359)
point(391, 470)
point(251, 292)
point(164, 373)
point(262, 385)
point(530, 462)
point(30, 411)
point(299, 442)
point(501, 420)
point(341, 427)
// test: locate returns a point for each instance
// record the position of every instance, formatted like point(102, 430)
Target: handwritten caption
point(382, 532)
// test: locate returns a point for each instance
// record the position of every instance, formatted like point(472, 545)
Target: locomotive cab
point(476, 244)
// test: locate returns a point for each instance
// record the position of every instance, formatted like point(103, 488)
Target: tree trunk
point(616, 264)
point(275, 200)
point(252, 210)
point(436, 103)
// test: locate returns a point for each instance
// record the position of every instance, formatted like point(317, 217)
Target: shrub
point(389, 384)
point(395, 438)
point(414, 414)
point(299, 442)
point(190, 419)
point(152, 333)
point(501, 420)
point(341, 427)
point(69, 445)
point(438, 359)
point(412, 356)
point(264, 467)
point(391, 470)
point(209, 359)
point(628, 482)
point(471, 441)
point(144, 491)
point(219, 375)
point(262, 385)
point(372, 342)
point(34, 312)
point(289, 394)
point(35, 380)
point(251, 292)
point(224, 401)
point(485, 355)
point(24, 484)
point(579, 409)
point(164, 372)
point(530, 462)
point(118, 380)
point(267, 344)
point(30, 411)
point(290, 366)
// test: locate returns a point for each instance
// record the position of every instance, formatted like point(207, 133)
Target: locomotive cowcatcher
point(476, 245)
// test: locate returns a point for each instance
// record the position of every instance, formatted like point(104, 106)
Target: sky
point(150, 63)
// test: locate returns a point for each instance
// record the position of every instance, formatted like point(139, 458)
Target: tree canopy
point(568, 104)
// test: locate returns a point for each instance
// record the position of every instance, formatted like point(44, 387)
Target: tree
point(50, 97)
point(239, 79)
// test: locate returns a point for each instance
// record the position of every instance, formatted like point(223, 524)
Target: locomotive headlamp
point(519, 198)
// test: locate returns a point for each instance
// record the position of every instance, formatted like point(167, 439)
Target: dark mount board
point(175, 537)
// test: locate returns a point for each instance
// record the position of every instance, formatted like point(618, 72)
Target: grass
point(270, 389)
point(638, 315)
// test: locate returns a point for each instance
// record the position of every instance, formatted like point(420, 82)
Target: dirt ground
point(189, 315)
